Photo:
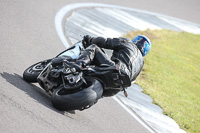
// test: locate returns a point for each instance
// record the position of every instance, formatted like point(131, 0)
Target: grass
point(171, 75)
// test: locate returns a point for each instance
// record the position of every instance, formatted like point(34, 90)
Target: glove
point(86, 41)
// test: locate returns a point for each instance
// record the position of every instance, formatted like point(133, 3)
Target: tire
point(66, 100)
point(31, 73)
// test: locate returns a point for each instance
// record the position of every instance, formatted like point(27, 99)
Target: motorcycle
point(72, 87)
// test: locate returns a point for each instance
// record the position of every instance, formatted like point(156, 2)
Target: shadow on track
point(32, 90)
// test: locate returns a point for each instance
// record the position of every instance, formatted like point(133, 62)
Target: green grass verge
point(171, 75)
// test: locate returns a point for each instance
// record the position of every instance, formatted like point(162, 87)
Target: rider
point(127, 54)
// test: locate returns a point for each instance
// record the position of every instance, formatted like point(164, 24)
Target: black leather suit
point(125, 54)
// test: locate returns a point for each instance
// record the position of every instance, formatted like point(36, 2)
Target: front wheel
point(32, 72)
point(86, 96)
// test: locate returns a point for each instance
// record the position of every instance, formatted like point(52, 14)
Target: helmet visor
point(143, 43)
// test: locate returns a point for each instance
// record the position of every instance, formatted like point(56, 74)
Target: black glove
point(86, 41)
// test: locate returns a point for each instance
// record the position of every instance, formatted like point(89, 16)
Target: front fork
point(43, 80)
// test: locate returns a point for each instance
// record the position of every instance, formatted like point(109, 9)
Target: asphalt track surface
point(27, 36)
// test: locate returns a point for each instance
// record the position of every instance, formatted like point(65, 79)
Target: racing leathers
point(125, 54)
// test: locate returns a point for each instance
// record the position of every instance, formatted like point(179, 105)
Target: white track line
point(60, 15)
point(133, 115)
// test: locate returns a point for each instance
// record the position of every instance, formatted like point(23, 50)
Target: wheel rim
point(37, 68)
point(63, 91)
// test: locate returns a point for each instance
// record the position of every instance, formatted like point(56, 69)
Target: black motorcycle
point(73, 87)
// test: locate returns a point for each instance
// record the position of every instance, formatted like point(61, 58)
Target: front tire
point(67, 100)
point(31, 73)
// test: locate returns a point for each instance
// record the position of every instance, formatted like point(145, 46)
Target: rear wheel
point(32, 72)
point(85, 97)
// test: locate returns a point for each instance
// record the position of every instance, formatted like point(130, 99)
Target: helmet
point(143, 43)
